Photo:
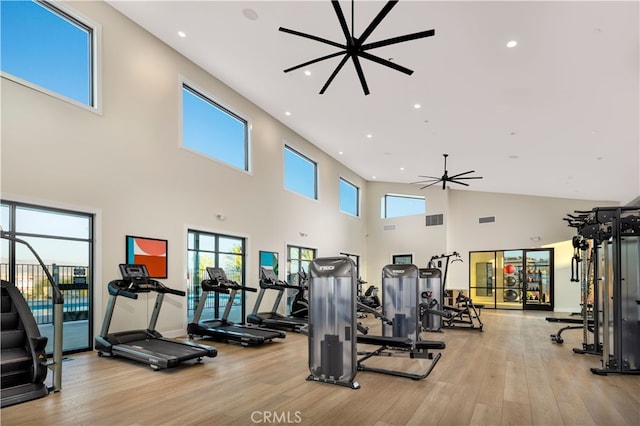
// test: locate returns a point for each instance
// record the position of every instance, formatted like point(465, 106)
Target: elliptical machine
point(300, 303)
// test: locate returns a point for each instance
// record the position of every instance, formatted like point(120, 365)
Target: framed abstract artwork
point(150, 252)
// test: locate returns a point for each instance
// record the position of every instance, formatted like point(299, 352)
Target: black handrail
point(58, 304)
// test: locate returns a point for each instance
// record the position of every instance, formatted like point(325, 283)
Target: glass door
point(538, 279)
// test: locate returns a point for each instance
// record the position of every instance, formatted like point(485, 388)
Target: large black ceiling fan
point(355, 47)
point(432, 180)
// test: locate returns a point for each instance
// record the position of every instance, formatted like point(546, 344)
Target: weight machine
point(615, 232)
point(465, 314)
point(333, 337)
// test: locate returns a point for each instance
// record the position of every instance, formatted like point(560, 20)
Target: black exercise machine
point(147, 346)
point(615, 232)
point(23, 356)
point(300, 303)
point(464, 314)
point(222, 329)
point(273, 319)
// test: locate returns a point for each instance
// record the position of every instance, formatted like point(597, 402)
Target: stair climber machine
point(23, 359)
point(146, 346)
point(333, 337)
point(273, 319)
point(222, 329)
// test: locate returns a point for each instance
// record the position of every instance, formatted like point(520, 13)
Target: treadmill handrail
point(114, 290)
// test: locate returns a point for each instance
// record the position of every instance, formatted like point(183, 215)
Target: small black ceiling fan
point(432, 180)
point(355, 47)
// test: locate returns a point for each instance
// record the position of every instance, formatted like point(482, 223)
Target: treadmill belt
point(169, 348)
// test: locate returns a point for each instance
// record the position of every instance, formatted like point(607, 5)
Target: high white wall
point(126, 164)
point(519, 222)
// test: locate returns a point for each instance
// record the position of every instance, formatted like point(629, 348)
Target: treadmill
point(273, 319)
point(147, 346)
point(222, 329)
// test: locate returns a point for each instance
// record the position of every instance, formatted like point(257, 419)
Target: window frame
point(205, 96)
point(357, 201)
point(94, 30)
point(384, 208)
point(316, 189)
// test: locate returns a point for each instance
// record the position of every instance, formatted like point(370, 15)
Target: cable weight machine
point(615, 232)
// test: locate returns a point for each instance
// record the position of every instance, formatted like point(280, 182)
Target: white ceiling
point(558, 115)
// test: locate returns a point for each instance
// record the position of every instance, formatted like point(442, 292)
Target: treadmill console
point(216, 273)
point(137, 276)
point(268, 274)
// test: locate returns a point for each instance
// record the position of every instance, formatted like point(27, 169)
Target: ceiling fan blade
point(343, 22)
point(334, 73)
point(376, 21)
point(399, 39)
point(462, 174)
point(430, 177)
point(431, 184)
point(312, 37)
point(363, 81)
point(333, 55)
point(425, 181)
point(459, 183)
point(385, 62)
point(470, 177)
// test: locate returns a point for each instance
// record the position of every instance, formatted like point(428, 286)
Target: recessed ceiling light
point(340, 153)
point(512, 43)
point(369, 136)
point(417, 106)
point(373, 177)
point(287, 113)
point(307, 72)
point(402, 168)
point(250, 14)
point(182, 34)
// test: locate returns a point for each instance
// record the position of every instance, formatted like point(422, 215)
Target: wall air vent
point(389, 227)
point(487, 219)
point(435, 219)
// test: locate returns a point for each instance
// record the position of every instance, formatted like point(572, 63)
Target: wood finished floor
point(509, 374)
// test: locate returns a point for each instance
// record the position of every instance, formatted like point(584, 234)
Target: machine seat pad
point(395, 342)
point(430, 344)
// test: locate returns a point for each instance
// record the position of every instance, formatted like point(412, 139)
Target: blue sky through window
point(402, 205)
point(209, 129)
point(299, 173)
point(348, 198)
point(46, 49)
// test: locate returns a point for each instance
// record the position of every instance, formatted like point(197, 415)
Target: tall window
point(349, 198)
point(227, 252)
point(394, 205)
point(298, 260)
point(210, 129)
point(300, 173)
point(49, 48)
point(402, 259)
point(64, 241)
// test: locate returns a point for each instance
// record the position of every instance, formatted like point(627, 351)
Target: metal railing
point(32, 282)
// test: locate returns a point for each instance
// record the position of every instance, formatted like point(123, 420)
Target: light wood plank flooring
point(511, 373)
